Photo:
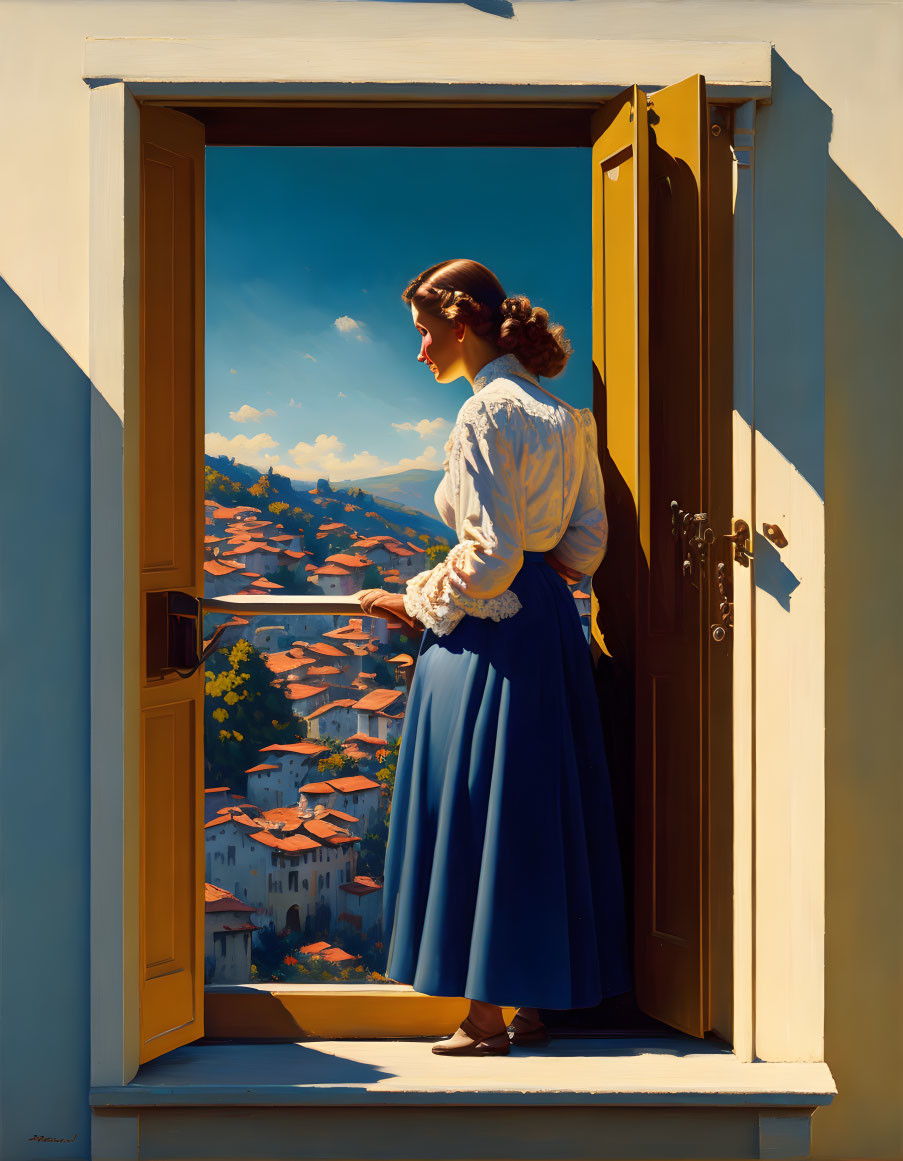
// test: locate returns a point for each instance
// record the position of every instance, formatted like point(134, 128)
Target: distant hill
point(412, 489)
point(390, 515)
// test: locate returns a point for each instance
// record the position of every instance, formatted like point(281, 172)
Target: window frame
point(121, 71)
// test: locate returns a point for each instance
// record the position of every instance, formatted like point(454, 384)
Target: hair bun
point(526, 333)
point(517, 308)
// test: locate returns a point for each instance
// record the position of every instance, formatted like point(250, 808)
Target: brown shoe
point(469, 1040)
point(524, 1031)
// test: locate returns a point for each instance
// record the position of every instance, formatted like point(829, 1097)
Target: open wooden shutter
point(648, 239)
point(171, 904)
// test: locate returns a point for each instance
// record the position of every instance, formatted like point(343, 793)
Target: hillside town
point(295, 834)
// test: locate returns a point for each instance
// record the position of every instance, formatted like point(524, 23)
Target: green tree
point(243, 713)
point(435, 553)
point(336, 764)
point(263, 485)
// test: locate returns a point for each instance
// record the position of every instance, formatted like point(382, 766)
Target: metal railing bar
point(246, 605)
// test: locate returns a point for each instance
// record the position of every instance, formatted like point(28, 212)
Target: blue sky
point(311, 354)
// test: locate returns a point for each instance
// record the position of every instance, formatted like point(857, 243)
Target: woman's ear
point(460, 330)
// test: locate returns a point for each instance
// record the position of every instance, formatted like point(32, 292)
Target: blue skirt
point(502, 876)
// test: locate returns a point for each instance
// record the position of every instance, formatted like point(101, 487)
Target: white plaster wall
point(828, 215)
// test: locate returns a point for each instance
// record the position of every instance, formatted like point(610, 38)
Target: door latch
point(741, 540)
point(174, 634)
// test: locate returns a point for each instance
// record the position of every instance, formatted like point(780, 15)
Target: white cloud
point(245, 449)
point(310, 357)
point(248, 414)
point(341, 395)
point(232, 371)
point(424, 427)
point(292, 403)
point(350, 327)
point(323, 458)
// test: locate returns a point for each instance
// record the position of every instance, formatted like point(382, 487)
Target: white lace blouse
point(521, 473)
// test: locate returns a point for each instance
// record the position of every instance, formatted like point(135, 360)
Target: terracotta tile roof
point(353, 782)
point(219, 899)
point(296, 555)
point(578, 593)
point(401, 659)
point(353, 631)
point(336, 955)
point(314, 948)
point(262, 766)
point(230, 814)
point(214, 789)
point(331, 525)
point(296, 692)
point(324, 649)
point(281, 814)
point(341, 814)
point(296, 747)
point(324, 829)
point(317, 787)
point(343, 701)
point(360, 886)
point(378, 699)
point(323, 671)
point(295, 842)
point(219, 567)
point(332, 570)
point(350, 560)
point(249, 546)
point(289, 659)
point(284, 536)
point(367, 739)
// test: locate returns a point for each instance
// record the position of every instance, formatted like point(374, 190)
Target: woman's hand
point(569, 574)
point(379, 603)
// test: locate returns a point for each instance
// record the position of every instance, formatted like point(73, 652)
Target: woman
point(502, 878)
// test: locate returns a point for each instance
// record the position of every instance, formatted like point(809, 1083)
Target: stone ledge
point(629, 1071)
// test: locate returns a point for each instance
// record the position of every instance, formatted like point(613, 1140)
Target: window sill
point(632, 1071)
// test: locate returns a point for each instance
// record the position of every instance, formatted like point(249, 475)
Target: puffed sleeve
point(484, 482)
point(585, 540)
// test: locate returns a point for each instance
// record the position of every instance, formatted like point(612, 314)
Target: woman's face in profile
point(439, 346)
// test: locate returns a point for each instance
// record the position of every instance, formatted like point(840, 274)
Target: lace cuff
point(440, 605)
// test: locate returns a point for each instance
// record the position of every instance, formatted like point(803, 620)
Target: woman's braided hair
point(466, 290)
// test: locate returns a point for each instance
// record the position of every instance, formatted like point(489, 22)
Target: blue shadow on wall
point(44, 741)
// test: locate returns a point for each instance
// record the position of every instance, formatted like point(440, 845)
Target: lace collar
point(507, 364)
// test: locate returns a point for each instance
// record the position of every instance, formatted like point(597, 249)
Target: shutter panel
point(171, 901)
point(648, 218)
